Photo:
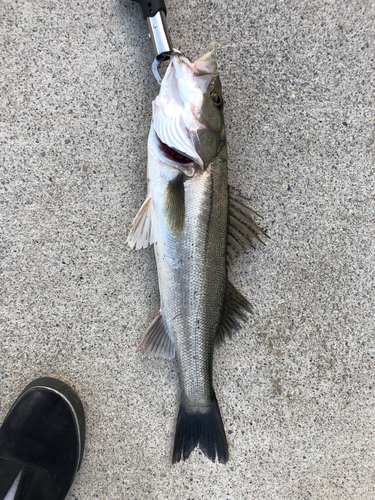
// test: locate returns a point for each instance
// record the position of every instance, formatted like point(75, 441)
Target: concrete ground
point(296, 384)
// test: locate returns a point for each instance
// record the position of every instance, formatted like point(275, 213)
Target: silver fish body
point(190, 218)
point(192, 273)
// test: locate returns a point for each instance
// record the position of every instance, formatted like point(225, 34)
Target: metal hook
point(158, 60)
point(155, 67)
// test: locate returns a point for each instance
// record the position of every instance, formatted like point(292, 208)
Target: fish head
point(188, 118)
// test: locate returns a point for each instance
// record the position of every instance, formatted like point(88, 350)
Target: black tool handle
point(151, 7)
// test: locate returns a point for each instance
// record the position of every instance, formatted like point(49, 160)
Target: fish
point(197, 224)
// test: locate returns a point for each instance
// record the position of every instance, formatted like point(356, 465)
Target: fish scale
point(197, 284)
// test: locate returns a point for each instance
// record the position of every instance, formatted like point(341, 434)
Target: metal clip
point(157, 61)
point(159, 32)
point(161, 41)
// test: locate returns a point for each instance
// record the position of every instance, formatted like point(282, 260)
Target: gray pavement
point(296, 384)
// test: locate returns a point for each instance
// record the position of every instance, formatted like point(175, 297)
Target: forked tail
point(200, 428)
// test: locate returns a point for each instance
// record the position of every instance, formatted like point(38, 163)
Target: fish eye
point(217, 99)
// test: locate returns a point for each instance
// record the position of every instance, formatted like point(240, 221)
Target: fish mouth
point(173, 118)
point(174, 155)
point(174, 139)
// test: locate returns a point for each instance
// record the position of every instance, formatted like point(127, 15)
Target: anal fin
point(141, 232)
point(234, 306)
point(156, 341)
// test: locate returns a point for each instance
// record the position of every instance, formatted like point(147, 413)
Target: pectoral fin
point(141, 233)
point(174, 206)
point(234, 306)
point(156, 341)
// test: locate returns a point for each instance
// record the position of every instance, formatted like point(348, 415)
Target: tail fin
point(198, 428)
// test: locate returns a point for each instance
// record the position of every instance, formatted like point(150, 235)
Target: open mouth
point(174, 155)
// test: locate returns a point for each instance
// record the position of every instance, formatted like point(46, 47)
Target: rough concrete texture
point(296, 384)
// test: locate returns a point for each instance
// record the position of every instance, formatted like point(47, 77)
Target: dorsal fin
point(234, 306)
point(242, 230)
point(141, 232)
point(156, 341)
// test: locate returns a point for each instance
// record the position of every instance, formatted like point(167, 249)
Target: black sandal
point(42, 441)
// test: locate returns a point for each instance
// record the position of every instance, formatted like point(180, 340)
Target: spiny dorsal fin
point(234, 306)
point(242, 230)
point(141, 232)
point(156, 341)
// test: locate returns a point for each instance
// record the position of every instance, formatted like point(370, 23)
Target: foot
point(41, 442)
